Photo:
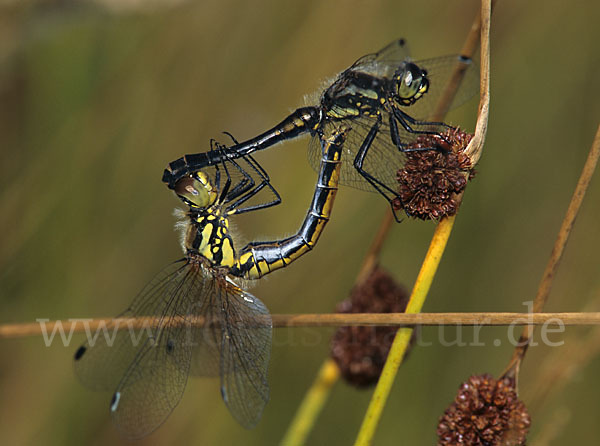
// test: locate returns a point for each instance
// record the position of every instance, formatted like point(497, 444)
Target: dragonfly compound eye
point(196, 190)
point(412, 83)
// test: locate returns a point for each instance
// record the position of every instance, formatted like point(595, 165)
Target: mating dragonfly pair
point(197, 318)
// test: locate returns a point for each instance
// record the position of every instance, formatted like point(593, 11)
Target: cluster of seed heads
point(431, 179)
point(361, 352)
point(485, 412)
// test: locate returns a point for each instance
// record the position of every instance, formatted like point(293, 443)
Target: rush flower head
point(485, 412)
point(431, 179)
point(361, 352)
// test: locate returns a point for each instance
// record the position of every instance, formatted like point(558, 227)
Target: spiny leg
point(227, 185)
point(378, 185)
point(248, 182)
point(408, 118)
point(251, 189)
point(255, 190)
point(245, 186)
point(395, 136)
point(400, 116)
point(240, 189)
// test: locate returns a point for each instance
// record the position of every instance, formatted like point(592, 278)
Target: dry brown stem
point(557, 251)
point(322, 320)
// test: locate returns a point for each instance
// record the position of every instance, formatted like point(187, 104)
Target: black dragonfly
point(374, 97)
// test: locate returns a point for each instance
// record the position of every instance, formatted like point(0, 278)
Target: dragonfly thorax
point(354, 94)
point(207, 234)
point(206, 225)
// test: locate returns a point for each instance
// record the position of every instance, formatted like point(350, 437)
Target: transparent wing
point(245, 352)
point(235, 343)
point(206, 354)
point(154, 382)
point(102, 360)
point(148, 366)
point(439, 72)
point(393, 53)
point(383, 158)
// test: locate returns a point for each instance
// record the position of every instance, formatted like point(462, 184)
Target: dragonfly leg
point(404, 119)
point(378, 185)
point(409, 118)
point(249, 192)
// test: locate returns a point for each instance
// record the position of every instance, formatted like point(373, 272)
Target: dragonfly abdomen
point(258, 259)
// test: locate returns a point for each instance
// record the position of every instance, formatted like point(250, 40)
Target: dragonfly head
point(411, 83)
point(196, 190)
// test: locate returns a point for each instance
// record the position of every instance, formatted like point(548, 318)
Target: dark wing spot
point(170, 346)
point(79, 353)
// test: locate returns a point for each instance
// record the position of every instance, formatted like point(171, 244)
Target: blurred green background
point(94, 101)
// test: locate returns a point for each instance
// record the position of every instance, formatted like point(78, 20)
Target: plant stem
point(545, 285)
point(440, 238)
point(474, 147)
point(74, 326)
point(401, 341)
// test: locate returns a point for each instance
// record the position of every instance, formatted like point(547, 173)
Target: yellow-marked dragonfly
point(374, 97)
point(200, 319)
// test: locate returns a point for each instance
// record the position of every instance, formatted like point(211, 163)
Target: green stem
point(401, 341)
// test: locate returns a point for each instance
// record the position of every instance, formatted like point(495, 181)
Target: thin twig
point(316, 320)
point(475, 147)
point(557, 251)
point(433, 319)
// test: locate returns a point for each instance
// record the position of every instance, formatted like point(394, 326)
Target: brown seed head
point(360, 352)
point(485, 412)
point(431, 179)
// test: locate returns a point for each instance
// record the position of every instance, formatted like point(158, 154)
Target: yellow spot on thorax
point(205, 247)
point(228, 254)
